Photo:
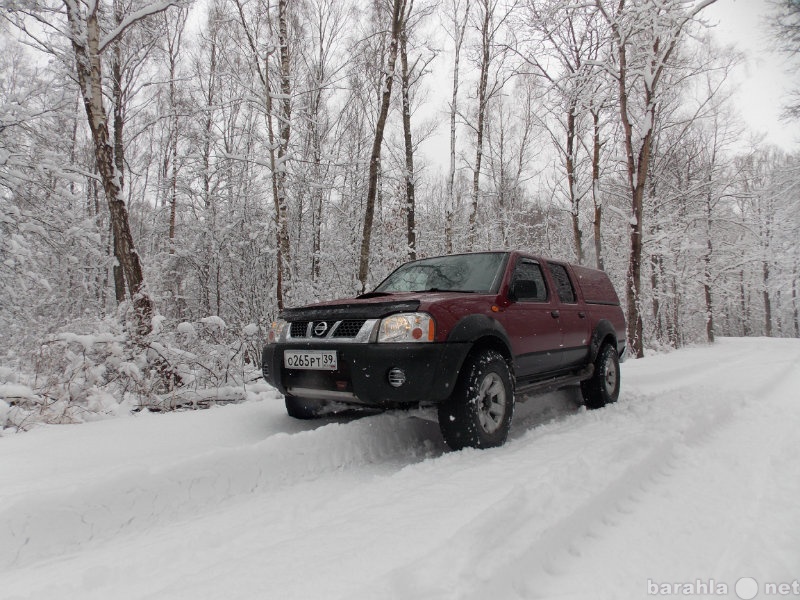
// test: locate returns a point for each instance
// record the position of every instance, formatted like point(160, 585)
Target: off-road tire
point(603, 387)
point(304, 408)
point(478, 414)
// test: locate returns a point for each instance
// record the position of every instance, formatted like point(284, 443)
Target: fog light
point(397, 377)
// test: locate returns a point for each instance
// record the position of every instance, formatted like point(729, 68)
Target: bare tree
point(786, 26)
point(645, 37)
point(90, 38)
point(397, 12)
point(458, 22)
point(263, 54)
point(405, 93)
point(322, 66)
point(571, 41)
point(174, 30)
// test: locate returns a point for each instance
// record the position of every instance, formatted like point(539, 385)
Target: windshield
point(480, 272)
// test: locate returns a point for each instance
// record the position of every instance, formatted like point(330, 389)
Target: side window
point(528, 282)
point(566, 293)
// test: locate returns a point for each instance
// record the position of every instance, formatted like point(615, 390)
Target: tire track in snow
point(56, 522)
point(546, 525)
point(661, 474)
point(549, 528)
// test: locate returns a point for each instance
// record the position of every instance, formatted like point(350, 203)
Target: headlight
point(275, 331)
point(407, 327)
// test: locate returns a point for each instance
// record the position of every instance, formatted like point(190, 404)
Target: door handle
point(555, 314)
point(582, 315)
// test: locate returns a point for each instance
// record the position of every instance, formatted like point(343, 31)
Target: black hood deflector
point(354, 310)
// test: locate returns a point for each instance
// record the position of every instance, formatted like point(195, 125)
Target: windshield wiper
point(373, 295)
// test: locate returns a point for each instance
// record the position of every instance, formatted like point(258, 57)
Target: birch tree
point(489, 21)
point(81, 24)
point(322, 66)
point(457, 26)
point(567, 57)
point(269, 55)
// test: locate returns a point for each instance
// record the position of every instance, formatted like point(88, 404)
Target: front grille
point(265, 370)
point(299, 329)
point(346, 329)
point(320, 329)
point(349, 329)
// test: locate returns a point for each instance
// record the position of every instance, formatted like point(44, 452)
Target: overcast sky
point(763, 80)
point(766, 77)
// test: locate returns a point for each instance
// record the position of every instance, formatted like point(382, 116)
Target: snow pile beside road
point(89, 376)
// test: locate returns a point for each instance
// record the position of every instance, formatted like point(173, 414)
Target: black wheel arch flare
point(481, 331)
point(602, 332)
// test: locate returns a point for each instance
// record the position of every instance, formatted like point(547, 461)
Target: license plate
point(321, 360)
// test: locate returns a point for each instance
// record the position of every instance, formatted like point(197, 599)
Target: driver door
point(532, 329)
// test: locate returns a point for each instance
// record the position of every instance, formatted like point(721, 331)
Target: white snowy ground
point(692, 476)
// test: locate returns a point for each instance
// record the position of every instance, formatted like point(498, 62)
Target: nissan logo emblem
point(320, 328)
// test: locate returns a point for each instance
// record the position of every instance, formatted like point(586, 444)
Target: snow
point(250, 329)
point(186, 328)
point(15, 390)
point(690, 480)
point(214, 321)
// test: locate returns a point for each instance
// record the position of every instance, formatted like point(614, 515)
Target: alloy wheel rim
point(491, 403)
point(610, 377)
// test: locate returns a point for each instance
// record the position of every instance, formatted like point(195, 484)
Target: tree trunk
point(317, 196)
point(458, 37)
point(574, 198)
point(411, 234)
point(398, 8)
point(637, 177)
point(707, 260)
point(119, 152)
point(655, 273)
point(481, 97)
point(709, 303)
point(597, 201)
point(767, 303)
point(743, 305)
point(85, 43)
point(173, 151)
point(796, 318)
point(279, 177)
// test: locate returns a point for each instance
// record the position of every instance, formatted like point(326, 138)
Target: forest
point(174, 173)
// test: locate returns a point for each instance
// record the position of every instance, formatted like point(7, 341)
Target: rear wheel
point(603, 387)
point(479, 412)
point(304, 408)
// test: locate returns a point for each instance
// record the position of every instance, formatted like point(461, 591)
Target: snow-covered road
point(692, 479)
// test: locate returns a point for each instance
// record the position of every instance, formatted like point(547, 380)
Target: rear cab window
point(564, 287)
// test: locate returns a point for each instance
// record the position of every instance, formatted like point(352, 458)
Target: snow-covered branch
point(135, 17)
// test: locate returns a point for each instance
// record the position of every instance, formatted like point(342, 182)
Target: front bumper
point(362, 376)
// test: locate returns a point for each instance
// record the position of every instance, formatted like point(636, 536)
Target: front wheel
point(603, 387)
point(479, 412)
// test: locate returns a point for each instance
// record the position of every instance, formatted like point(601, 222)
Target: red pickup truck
point(467, 333)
